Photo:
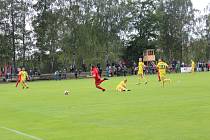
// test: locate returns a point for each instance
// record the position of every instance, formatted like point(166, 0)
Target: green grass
point(180, 111)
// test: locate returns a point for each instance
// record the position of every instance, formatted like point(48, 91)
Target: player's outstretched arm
point(90, 76)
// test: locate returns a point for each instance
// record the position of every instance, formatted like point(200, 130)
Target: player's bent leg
point(162, 81)
point(17, 83)
point(98, 82)
point(99, 87)
point(167, 80)
point(24, 84)
point(159, 79)
point(192, 69)
point(123, 88)
point(119, 89)
point(139, 78)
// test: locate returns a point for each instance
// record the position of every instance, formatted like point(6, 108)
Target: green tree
point(145, 23)
point(176, 22)
point(5, 50)
point(208, 32)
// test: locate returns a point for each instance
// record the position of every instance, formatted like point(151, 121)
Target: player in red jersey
point(19, 77)
point(98, 80)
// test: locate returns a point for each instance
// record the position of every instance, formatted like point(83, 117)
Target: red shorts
point(98, 81)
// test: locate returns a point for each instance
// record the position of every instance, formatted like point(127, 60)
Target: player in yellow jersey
point(192, 66)
point(141, 71)
point(24, 77)
point(122, 86)
point(162, 66)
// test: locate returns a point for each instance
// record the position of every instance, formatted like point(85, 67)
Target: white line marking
point(21, 133)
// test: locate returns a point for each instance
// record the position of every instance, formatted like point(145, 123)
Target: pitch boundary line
point(21, 133)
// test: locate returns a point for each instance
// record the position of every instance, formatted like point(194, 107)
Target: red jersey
point(19, 75)
point(95, 73)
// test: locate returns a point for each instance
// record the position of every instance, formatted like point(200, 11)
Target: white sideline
point(21, 133)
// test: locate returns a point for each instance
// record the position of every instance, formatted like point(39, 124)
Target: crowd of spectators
point(122, 69)
point(119, 69)
point(113, 69)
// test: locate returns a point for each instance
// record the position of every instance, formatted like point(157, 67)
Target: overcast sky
point(200, 4)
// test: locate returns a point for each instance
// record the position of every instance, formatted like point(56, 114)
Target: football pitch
point(180, 111)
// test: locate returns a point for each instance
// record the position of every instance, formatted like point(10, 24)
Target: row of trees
point(52, 34)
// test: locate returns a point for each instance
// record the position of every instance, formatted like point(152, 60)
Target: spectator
point(206, 66)
point(124, 69)
point(110, 71)
point(60, 75)
point(99, 69)
point(76, 73)
point(178, 67)
point(114, 69)
point(118, 70)
point(107, 70)
point(209, 66)
point(182, 65)
point(136, 70)
point(199, 66)
point(174, 63)
point(84, 67)
point(64, 74)
point(56, 75)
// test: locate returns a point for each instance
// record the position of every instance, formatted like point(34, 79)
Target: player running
point(98, 80)
point(22, 76)
point(158, 73)
point(19, 77)
point(162, 66)
point(192, 66)
point(141, 72)
point(122, 86)
point(25, 77)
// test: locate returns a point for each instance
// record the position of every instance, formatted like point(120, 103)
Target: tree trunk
point(13, 35)
point(24, 32)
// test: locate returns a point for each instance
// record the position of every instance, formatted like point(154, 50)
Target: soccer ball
point(66, 92)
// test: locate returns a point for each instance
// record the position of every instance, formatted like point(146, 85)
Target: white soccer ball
point(66, 92)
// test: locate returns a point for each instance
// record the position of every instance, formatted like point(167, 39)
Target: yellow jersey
point(24, 75)
point(121, 84)
point(141, 66)
point(162, 66)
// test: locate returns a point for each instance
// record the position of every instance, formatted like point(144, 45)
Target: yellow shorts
point(162, 76)
point(120, 88)
point(141, 72)
point(24, 80)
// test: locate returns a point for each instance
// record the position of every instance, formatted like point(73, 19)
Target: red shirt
point(19, 75)
point(95, 73)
